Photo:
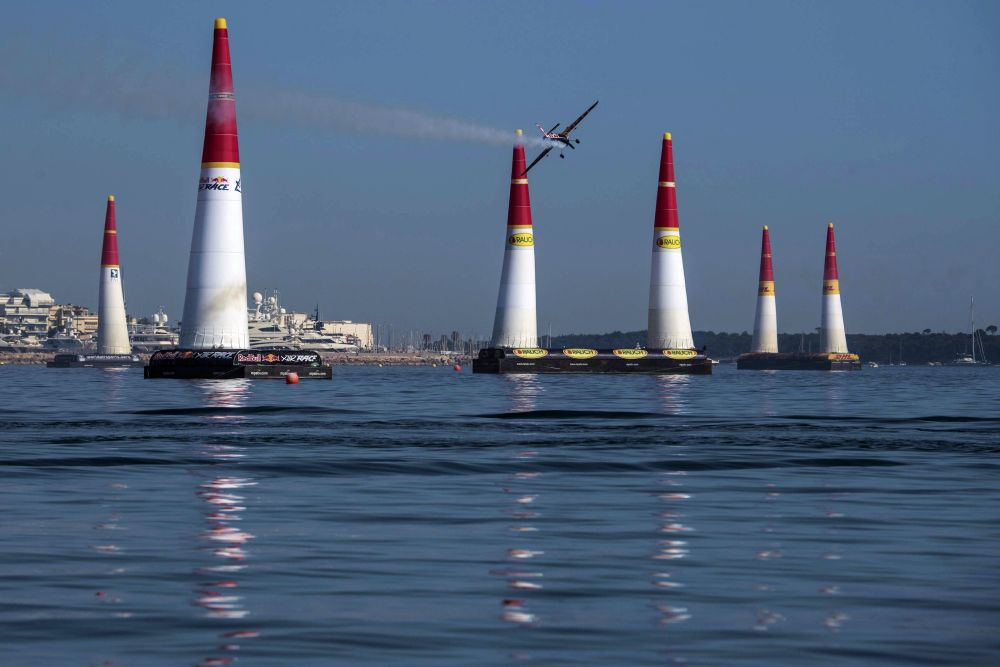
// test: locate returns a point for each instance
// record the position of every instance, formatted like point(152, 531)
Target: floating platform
point(232, 364)
point(798, 361)
point(586, 360)
point(94, 361)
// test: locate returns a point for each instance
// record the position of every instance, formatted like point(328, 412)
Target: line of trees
point(917, 347)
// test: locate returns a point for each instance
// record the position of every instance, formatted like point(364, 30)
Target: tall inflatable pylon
point(112, 329)
point(669, 323)
point(215, 305)
point(515, 324)
point(831, 335)
point(214, 337)
point(832, 355)
point(765, 324)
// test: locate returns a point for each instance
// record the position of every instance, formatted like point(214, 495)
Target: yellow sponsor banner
point(668, 242)
point(831, 287)
point(522, 239)
point(680, 354)
point(842, 356)
point(531, 352)
point(579, 353)
point(630, 353)
point(766, 288)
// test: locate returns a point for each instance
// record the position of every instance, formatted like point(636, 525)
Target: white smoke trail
point(327, 111)
point(136, 87)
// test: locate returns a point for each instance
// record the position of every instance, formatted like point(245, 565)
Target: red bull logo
point(216, 183)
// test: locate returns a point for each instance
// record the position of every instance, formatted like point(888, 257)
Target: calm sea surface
point(419, 516)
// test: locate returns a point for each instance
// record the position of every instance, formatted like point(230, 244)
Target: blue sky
point(879, 116)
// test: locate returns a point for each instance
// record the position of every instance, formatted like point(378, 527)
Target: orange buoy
point(292, 378)
point(458, 367)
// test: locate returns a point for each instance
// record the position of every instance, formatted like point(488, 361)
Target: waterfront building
point(72, 318)
point(25, 312)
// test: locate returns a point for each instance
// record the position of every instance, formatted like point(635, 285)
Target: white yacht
point(966, 359)
point(17, 343)
point(268, 324)
point(312, 339)
point(963, 359)
point(152, 337)
point(272, 327)
point(66, 340)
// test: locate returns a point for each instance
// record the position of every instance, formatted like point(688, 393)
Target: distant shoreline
point(917, 347)
point(335, 359)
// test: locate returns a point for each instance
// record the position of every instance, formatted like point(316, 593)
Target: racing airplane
point(559, 139)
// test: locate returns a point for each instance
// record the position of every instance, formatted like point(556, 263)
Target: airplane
point(560, 139)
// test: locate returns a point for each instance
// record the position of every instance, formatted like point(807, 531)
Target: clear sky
point(360, 194)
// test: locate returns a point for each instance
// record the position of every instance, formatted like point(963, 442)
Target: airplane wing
point(554, 128)
point(569, 128)
point(537, 159)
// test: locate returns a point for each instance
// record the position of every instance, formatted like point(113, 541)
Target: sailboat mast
point(972, 324)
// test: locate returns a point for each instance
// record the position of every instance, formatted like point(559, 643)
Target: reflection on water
point(111, 386)
point(217, 584)
point(223, 393)
point(521, 571)
point(524, 391)
point(672, 393)
point(835, 392)
point(765, 397)
point(836, 618)
point(768, 554)
point(108, 543)
point(672, 552)
point(672, 547)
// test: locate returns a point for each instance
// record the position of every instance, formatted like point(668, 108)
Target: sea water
point(422, 516)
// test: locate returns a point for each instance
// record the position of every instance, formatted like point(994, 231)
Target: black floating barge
point(231, 364)
point(586, 360)
point(798, 361)
point(94, 361)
